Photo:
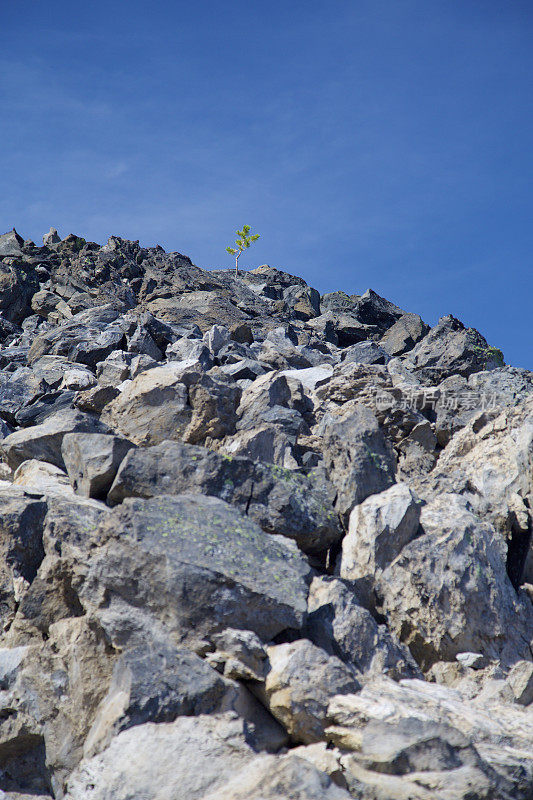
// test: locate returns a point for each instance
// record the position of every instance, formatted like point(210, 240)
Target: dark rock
point(280, 501)
point(189, 566)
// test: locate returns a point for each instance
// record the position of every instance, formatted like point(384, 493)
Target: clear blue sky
point(381, 143)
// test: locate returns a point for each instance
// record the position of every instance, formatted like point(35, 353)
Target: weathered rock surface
point(280, 501)
point(187, 566)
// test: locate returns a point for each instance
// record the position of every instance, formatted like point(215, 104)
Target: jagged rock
point(501, 771)
point(378, 530)
point(280, 501)
point(17, 390)
point(232, 574)
point(448, 590)
point(214, 410)
point(21, 547)
point(53, 695)
point(357, 457)
point(153, 684)
point(239, 654)
point(342, 627)
point(94, 400)
point(365, 353)
point(114, 369)
point(490, 463)
point(450, 348)
point(87, 338)
point(520, 680)
point(299, 680)
point(11, 244)
point(51, 238)
point(153, 407)
point(92, 461)
point(149, 760)
point(43, 442)
point(404, 334)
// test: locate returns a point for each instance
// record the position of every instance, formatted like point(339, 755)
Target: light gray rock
point(92, 461)
point(448, 591)
point(378, 530)
point(300, 678)
point(152, 761)
point(153, 407)
point(51, 237)
point(505, 772)
point(520, 679)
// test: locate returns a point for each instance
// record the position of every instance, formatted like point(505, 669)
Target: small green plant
point(243, 243)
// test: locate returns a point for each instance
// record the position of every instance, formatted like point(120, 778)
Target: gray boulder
point(378, 530)
point(451, 349)
point(358, 460)
point(92, 461)
point(448, 591)
point(11, 244)
point(280, 501)
point(300, 680)
point(200, 566)
point(153, 407)
point(339, 624)
point(154, 683)
point(404, 334)
point(43, 442)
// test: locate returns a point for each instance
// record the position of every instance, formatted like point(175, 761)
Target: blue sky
point(371, 143)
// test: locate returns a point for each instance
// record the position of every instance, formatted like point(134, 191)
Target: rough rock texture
point(255, 543)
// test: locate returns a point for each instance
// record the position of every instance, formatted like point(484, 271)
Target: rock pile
point(256, 543)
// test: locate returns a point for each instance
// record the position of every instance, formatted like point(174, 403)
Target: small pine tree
point(243, 242)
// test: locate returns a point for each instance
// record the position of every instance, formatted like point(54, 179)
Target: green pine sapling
point(243, 242)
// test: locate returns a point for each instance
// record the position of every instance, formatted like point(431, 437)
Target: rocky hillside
point(256, 543)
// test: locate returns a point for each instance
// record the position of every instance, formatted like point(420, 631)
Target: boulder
point(378, 530)
point(404, 335)
point(214, 410)
point(490, 463)
point(152, 761)
point(200, 566)
point(280, 501)
point(450, 348)
point(385, 709)
point(153, 407)
point(358, 460)
point(156, 683)
point(339, 624)
point(18, 389)
point(51, 237)
point(448, 590)
point(92, 461)
point(11, 244)
point(300, 679)
point(43, 442)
